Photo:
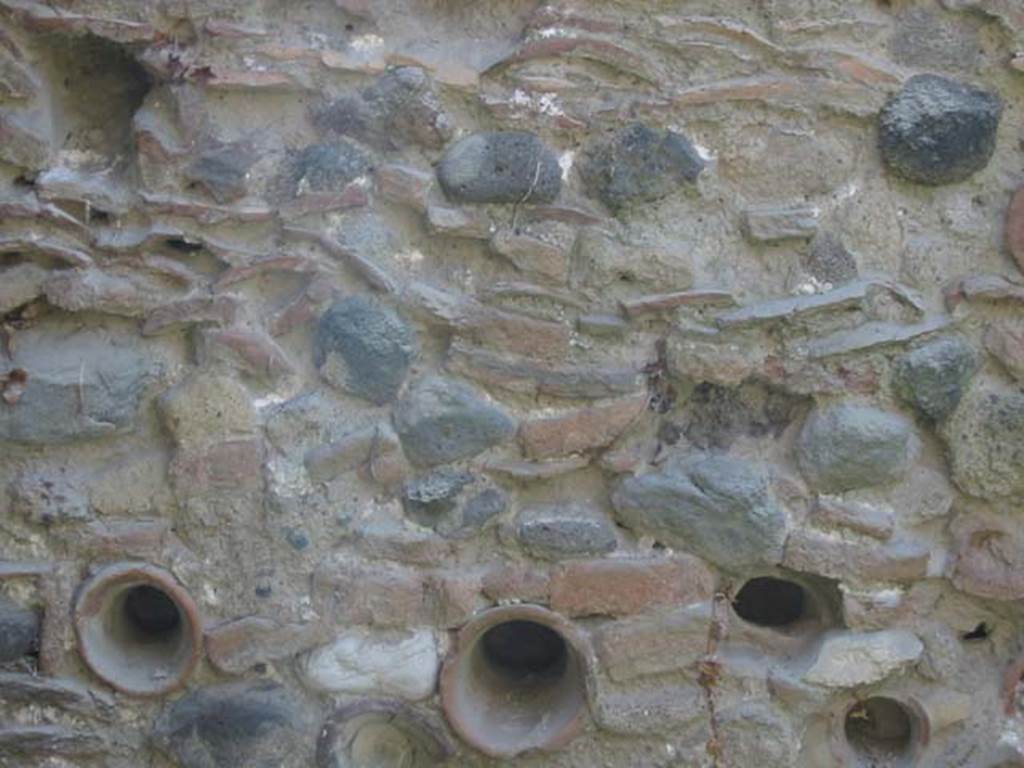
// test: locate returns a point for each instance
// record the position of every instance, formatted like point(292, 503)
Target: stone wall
point(521, 382)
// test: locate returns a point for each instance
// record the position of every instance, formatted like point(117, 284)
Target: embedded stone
point(989, 557)
point(985, 441)
point(933, 377)
point(1004, 340)
point(361, 660)
point(500, 167)
point(1015, 227)
point(19, 631)
point(938, 130)
point(222, 169)
point(239, 725)
point(719, 507)
point(773, 222)
point(565, 530)
point(50, 497)
point(843, 447)
point(206, 410)
point(80, 386)
point(428, 497)
point(364, 348)
point(401, 106)
point(848, 659)
point(441, 420)
point(326, 168)
point(640, 163)
point(21, 284)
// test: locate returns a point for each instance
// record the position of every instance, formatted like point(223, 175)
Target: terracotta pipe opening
point(137, 629)
point(881, 731)
point(516, 681)
point(381, 734)
point(770, 602)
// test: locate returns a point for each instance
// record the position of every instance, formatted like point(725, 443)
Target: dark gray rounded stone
point(933, 377)
point(846, 446)
point(565, 531)
point(715, 506)
point(19, 631)
point(483, 507)
point(937, 130)
point(442, 420)
point(500, 167)
point(639, 163)
point(429, 496)
point(364, 348)
point(238, 725)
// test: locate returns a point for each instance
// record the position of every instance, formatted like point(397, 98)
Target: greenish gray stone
point(716, 506)
point(985, 441)
point(500, 167)
point(933, 377)
point(847, 446)
point(442, 420)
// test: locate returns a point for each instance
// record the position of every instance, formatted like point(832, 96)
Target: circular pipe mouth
point(138, 630)
point(516, 681)
point(381, 734)
point(882, 730)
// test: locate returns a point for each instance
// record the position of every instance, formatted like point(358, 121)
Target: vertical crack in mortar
point(710, 670)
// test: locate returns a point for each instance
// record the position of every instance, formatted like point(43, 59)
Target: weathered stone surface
point(1015, 227)
point(400, 107)
point(85, 385)
point(565, 530)
point(985, 441)
point(66, 694)
point(937, 130)
point(757, 734)
point(394, 663)
point(19, 631)
point(655, 710)
point(500, 167)
point(222, 169)
point(840, 557)
point(355, 450)
point(21, 284)
point(849, 446)
point(933, 377)
point(875, 521)
point(580, 430)
point(442, 420)
point(829, 261)
point(364, 348)
point(321, 168)
point(207, 409)
point(46, 498)
point(718, 506)
point(429, 497)
point(1004, 340)
point(623, 587)
point(448, 220)
point(989, 557)
point(238, 725)
point(654, 645)
point(20, 146)
point(528, 377)
point(237, 646)
point(849, 659)
point(872, 335)
point(794, 307)
point(32, 742)
point(640, 164)
point(405, 184)
point(540, 250)
point(771, 223)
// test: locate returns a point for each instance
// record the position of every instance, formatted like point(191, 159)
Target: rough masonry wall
point(522, 382)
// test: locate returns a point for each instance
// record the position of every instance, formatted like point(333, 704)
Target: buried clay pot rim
point(427, 731)
point(93, 595)
point(466, 639)
point(920, 733)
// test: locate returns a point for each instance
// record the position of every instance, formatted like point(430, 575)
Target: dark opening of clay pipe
point(880, 731)
point(516, 681)
point(137, 628)
point(770, 602)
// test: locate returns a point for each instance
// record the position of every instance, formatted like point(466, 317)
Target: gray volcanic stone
point(565, 530)
point(428, 497)
point(639, 163)
point(79, 386)
point(937, 130)
point(500, 167)
point(441, 420)
point(483, 507)
point(719, 507)
point(401, 106)
point(364, 348)
point(327, 167)
point(843, 447)
point(933, 377)
point(985, 441)
point(239, 725)
point(19, 631)
point(223, 170)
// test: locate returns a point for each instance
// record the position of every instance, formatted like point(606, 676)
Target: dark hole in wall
point(980, 632)
point(770, 602)
point(150, 614)
point(520, 649)
point(880, 731)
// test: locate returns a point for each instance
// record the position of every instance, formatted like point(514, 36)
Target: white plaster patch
point(366, 42)
point(565, 162)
